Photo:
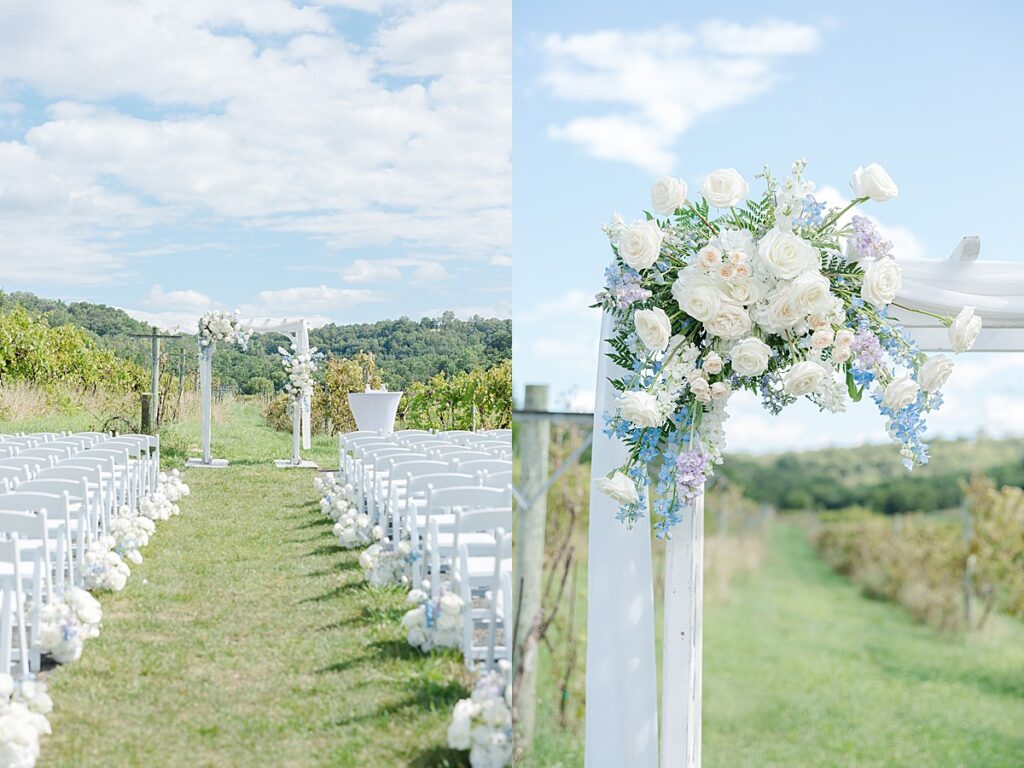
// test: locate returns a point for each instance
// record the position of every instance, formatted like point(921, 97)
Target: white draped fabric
point(298, 330)
point(621, 718)
point(622, 692)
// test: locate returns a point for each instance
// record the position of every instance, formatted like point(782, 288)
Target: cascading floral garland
point(222, 326)
point(778, 296)
point(300, 368)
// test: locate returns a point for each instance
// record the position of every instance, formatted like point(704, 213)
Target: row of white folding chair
point(484, 574)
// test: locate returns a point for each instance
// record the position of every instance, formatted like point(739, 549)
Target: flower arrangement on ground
point(172, 486)
point(162, 504)
point(433, 623)
point(781, 297)
point(131, 531)
point(300, 368)
point(104, 570)
point(336, 500)
point(356, 530)
point(24, 706)
point(65, 625)
point(387, 564)
point(222, 326)
point(483, 722)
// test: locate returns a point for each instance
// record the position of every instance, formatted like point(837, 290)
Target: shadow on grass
point(320, 521)
point(425, 695)
point(440, 757)
point(389, 650)
point(326, 549)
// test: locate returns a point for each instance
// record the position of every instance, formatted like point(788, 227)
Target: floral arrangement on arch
point(300, 368)
point(387, 564)
point(222, 326)
point(775, 295)
point(433, 622)
point(483, 722)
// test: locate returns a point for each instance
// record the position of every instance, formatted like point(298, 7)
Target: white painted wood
point(205, 395)
point(968, 249)
point(682, 660)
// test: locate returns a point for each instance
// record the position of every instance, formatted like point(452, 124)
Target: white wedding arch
point(622, 718)
point(298, 332)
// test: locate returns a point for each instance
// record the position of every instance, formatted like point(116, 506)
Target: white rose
point(731, 322)
point(744, 292)
point(780, 313)
point(900, 393)
point(709, 256)
point(803, 378)
point(667, 195)
point(822, 338)
point(724, 188)
point(841, 354)
point(750, 357)
point(787, 255)
point(653, 327)
point(720, 390)
point(712, 363)
point(700, 389)
point(640, 408)
point(619, 488)
point(640, 244)
point(883, 279)
point(811, 293)
point(844, 337)
point(697, 295)
point(934, 373)
point(875, 183)
point(964, 330)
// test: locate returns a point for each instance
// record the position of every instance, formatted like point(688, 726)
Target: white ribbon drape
point(622, 686)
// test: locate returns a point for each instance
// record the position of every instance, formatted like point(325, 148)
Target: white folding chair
point(473, 529)
point(483, 465)
point(68, 531)
point(482, 575)
point(80, 500)
point(29, 464)
point(496, 479)
point(13, 634)
point(100, 470)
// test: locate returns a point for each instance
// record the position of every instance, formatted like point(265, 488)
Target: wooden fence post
point(146, 427)
point(534, 442)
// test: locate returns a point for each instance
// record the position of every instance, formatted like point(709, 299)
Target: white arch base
point(623, 726)
point(205, 385)
point(299, 405)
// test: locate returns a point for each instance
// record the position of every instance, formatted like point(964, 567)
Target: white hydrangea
point(434, 623)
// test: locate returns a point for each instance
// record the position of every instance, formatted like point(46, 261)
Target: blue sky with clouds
point(604, 102)
point(343, 160)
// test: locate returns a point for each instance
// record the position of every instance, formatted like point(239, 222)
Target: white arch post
point(623, 727)
point(298, 332)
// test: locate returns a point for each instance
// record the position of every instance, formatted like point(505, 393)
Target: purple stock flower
point(867, 350)
point(866, 242)
point(691, 466)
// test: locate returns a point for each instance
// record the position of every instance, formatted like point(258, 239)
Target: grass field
point(247, 637)
point(801, 670)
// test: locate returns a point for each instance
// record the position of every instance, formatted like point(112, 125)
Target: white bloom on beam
point(934, 373)
point(653, 327)
point(964, 330)
point(641, 409)
point(883, 279)
point(874, 182)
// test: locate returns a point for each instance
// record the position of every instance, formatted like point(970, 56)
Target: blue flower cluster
point(623, 287)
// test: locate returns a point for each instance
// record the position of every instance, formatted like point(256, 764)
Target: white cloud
point(500, 260)
point(186, 299)
point(905, 244)
point(261, 113)
point(298, 302)
point(429, 272)
point(363, 271)
point(658, 82)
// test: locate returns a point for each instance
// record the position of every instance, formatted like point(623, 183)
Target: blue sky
point(605, 101)
point(343, 160)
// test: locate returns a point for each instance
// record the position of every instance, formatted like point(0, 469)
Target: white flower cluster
point(300, 368)
point(483, 722)
point(386, 564)
point(162, 504)
point(433, 623)
point(352, 526)
point(336, 498)
point(65, 625)
point(131, 531)
point(23, 710)
point(222, 326)
point(104, 570)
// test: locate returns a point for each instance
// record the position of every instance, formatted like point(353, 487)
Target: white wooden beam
point(967, 249)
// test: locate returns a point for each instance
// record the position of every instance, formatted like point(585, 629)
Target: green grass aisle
point(248, 638)
point(800, 669)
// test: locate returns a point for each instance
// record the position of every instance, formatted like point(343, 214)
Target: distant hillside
point(873, 476)
point(406, 350)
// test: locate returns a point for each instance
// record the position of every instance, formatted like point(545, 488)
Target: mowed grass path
point(247, 637)
point(800, 669)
